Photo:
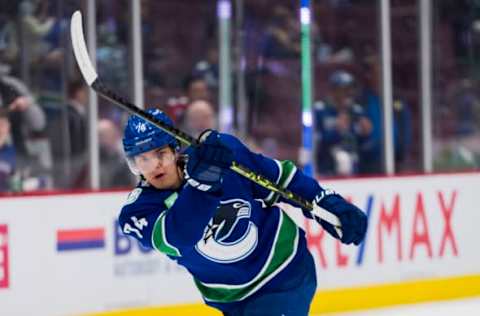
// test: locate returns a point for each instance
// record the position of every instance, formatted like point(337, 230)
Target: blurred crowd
point(44, 125)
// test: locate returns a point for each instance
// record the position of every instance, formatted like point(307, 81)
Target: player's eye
point(142, 159)
point(162, 155)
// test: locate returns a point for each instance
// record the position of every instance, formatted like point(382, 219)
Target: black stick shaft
point(189, 140)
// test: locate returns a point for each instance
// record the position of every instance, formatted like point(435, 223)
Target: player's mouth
point(159, 176)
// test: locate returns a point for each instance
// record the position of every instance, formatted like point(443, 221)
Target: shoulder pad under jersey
point(144, 196)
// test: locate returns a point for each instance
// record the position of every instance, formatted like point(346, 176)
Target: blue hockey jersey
point(234, 245)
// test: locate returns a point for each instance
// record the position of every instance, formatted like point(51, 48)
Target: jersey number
point(139, 225)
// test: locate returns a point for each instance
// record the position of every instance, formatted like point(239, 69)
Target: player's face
point(159, 167)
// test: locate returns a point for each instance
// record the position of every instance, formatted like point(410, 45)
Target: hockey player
point(247, 257)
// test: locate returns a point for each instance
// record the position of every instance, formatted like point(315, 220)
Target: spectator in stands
point(282, 38)
point(112, 53)
point(36, 23)
point(112, 162)
point(207, 68)
point(9, 48)
point(341, 127)
point(371, 150)
point(7, 154)
point(53, 43)
point(465, 100)
point(460, 16)
point(198, 117)
point(69, 132)
point(27, 121)
point(195, 88)
point(459, 148)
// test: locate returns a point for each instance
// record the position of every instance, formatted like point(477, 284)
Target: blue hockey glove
point(352, 219)
point(207, 162)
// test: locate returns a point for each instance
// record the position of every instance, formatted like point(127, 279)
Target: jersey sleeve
point(283, 173)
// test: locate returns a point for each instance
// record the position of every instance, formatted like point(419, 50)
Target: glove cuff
point(204, 135)
point(199, 186)
point(329, 199)
point(323, 194)
point(215, 189)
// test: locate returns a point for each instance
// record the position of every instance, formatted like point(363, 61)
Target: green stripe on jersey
point(289, 170)
point(171, 199)
point(283, 250)
point(159, 240)
point(286, 171)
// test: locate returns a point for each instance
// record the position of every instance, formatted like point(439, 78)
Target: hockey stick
point(91, 77)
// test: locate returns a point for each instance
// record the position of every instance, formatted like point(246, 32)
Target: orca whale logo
point(214, 245)
point(227, 217)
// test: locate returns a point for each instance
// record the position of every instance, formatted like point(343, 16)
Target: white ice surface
point(464, 307)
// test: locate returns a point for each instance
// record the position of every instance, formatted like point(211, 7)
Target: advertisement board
point(65, 254)
point(419, 227)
